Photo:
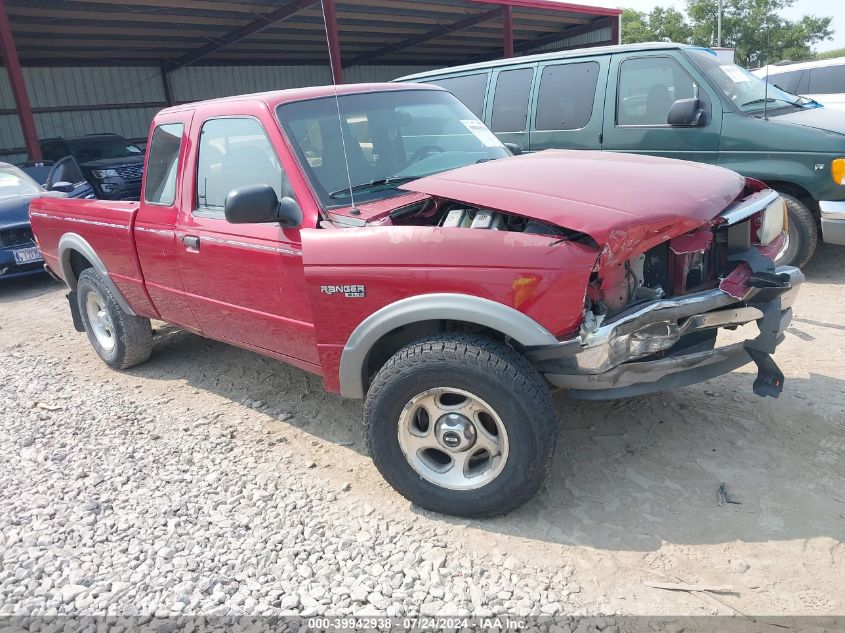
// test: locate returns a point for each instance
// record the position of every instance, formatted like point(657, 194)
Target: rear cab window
point(163, 164)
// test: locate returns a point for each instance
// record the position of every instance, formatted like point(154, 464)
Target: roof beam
point(256, 26)
point(433, 34)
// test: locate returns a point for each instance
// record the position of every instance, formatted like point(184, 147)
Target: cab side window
point(469, 89)
point(825, 81)
point(163, 163)
point(566, 96)
point(510, 102)
point(648, 86)
point(235, 152)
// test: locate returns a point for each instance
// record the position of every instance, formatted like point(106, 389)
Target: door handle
point(191, 242)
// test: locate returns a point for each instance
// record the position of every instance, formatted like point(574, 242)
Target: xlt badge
point(351, 291)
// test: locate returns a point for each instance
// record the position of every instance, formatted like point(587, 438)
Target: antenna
point(354, 210)
point(768, 63)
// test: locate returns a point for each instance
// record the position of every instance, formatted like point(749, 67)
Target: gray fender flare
point(75, 242)
point(432, 307)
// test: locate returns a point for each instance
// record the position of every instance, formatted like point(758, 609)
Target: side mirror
point(515, 149)
point(686, 113)
point(254, 204)
point(64, 187)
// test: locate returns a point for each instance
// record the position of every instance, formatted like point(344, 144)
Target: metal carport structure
point(171, 37)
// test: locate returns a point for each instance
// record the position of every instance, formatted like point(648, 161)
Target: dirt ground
point(633, 491)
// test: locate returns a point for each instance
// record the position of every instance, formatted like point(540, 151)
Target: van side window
point(648, 86)
point(825, 81)
point(787, 81)
point(565, 99)
point(510, 102)
point(469, 89)
point(235, 152)
point(160, 187)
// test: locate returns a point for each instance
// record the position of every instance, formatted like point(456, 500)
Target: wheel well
point(78, 263)
point(797, 191)
point(396, 339)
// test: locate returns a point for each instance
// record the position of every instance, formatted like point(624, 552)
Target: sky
point(834, 8)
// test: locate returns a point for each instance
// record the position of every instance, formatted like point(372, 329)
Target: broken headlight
point(772, 222)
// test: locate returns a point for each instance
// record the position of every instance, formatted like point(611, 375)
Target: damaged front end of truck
point(669, 273)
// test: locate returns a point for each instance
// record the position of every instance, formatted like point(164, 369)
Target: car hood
point(627, 203)
point(15, 211)
point(825, 118)
point(105, 163)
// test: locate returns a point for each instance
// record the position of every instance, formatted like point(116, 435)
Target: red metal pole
point(615, 30)
point(13, 68)
point(507, 29)
point(330, 18)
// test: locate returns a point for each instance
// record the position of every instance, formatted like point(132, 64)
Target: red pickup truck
point(381, 237)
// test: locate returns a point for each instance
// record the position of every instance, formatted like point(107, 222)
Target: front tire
point(803, 233)
point(462, 425)
point(122, 340)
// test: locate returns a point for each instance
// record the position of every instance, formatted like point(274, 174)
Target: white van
point(822, 80)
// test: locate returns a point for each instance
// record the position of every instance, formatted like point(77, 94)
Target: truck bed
point(107, 226)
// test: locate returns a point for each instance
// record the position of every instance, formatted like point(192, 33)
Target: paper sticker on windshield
point(735, 74)
point(487, 138)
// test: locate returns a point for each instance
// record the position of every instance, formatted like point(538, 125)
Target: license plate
point(28, 255)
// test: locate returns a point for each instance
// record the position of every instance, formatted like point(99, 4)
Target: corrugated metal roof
point(155, 32)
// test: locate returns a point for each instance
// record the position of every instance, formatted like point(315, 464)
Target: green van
point(671, 100)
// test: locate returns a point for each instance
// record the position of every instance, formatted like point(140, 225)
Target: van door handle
point(191, 242)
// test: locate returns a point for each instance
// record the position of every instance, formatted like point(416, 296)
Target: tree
point(659, 25)
point(756, 30)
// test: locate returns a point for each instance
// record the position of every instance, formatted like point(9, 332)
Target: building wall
point(130, 96)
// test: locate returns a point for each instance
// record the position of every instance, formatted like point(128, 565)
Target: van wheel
point(462, 425)
point(120, 339)
point(803, 233)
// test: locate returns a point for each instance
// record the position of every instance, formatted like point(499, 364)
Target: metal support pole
point(616, 30)
point(719, 27)
point(13, 68)
point(330, 18)
point(507, 30)
point(165, 84)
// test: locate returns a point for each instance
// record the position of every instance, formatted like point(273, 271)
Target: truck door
point(641, 89)
point(155, 224)
point(246, 281)
point(569, 104)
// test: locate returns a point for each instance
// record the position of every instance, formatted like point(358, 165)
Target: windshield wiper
point(766, 100)
point(373, 184)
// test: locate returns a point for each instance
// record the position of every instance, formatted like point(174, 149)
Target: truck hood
point(826, 119)
point(627, 203)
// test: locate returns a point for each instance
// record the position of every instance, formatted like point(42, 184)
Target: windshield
point(14, 183)
point(99, 147)
point(747, 92)
point(389, 138)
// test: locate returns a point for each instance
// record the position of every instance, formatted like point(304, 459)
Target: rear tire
point(486, 401)
point(803, 233)
point(122, 340)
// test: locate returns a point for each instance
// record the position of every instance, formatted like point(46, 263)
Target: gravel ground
point(211, 481)
point(120, 504)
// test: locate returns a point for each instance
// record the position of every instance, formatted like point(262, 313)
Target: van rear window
point(469, 89)
point(510, 103)
point(566, 96)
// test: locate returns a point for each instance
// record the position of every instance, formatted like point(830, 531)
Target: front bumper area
point(663, 344)
point(833, 221)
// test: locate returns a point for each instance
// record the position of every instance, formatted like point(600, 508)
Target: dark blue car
point(18, 253)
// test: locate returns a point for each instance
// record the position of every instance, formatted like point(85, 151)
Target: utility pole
point(719, 26)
